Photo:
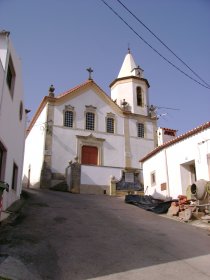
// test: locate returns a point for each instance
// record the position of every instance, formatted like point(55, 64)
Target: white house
point(105, 135)
point(12, 120)
point(171, 167)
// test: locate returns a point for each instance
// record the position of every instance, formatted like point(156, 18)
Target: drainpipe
point(167, 177)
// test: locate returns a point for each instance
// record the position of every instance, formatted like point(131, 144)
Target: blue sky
point(58, 39)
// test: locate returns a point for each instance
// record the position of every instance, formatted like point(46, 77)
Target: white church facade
point(105, 135)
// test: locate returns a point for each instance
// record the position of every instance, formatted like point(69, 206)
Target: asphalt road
point(63, 236)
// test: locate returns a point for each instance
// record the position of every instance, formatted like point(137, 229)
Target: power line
point(172, 64)
point(162, 43)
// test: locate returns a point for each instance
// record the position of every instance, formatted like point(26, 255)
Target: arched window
point(139, 96)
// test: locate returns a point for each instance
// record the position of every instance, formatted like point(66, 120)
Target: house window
point(153, 178)
point(140, 130)
point(14, 176)
point(11, 77)
point(139, 97)
point(3, 155)
point(90, 121)
point(68, 118)
point(110, 125)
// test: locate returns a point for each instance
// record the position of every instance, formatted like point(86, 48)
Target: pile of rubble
point(188, 209)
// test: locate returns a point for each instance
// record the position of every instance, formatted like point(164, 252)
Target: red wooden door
point(89, 155)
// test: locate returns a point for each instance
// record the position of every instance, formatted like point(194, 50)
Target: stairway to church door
point(89, 155)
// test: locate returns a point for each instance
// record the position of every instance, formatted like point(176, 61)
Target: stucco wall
point(66, 146)
point(96, 175)
point(89, 98)
point(12, 128)
point(171, 165)
point(126, 89)
point(34, 152)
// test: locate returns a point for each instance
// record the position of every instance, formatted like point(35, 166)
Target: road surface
point(63, 236)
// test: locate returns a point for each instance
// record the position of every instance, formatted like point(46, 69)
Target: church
point(105, 135)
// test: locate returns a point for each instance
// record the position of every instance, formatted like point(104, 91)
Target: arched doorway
point(89, 155)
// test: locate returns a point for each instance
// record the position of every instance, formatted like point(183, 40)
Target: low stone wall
point(91, 179)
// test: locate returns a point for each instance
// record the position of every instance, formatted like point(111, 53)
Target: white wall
point(65, 145)
point(126, 89)
point(12, 129)
point(172, 165)
point(89, 98)
point(65, 141)
point(96, 175)
point(34, 151)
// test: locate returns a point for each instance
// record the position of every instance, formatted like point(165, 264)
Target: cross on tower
point(90, 70)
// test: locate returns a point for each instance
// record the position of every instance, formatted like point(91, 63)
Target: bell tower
point(130, 89)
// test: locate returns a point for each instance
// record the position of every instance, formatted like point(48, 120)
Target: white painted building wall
point(34, 152)
point(115, 150)
point(89, 98)
point(172, 165)
point(99, 176)
point(127, 90)
point(12, 127)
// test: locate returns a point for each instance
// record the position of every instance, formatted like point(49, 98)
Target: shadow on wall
point(67, 148)
point(85, 179)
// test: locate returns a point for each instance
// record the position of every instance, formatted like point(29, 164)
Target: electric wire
point(164, 58)
point(126, 8)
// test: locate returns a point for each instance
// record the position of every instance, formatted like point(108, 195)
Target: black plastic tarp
point(149, 203)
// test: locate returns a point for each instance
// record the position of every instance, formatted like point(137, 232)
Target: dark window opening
point(90, 121)
point(14, 177)
point(110, 125)
point(139, 97)
point(140, 131)
point(153, 178)
point(68, 118)
point(11, 76)
point(3, 156)
point(21, 111)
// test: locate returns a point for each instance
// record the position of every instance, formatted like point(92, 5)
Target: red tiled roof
point(177, 139)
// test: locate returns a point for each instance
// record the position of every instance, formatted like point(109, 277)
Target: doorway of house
point(89, 155)
point(188, 174)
